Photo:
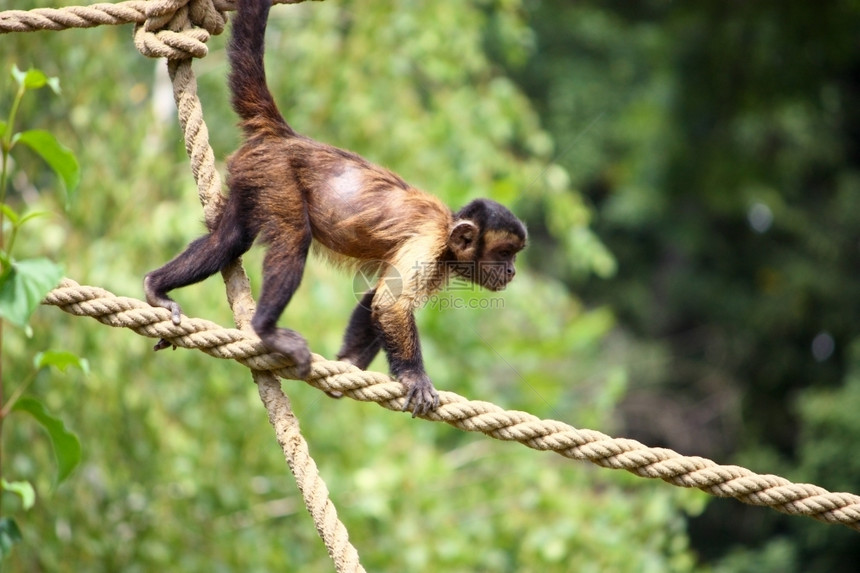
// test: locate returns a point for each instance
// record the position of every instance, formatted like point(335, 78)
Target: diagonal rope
point(313, 489)
point(473, 416)
point(178, 30)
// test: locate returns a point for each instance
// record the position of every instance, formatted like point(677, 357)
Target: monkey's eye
point(505, 253)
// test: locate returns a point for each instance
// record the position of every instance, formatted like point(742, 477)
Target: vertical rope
point(190, 111)
point(734, 481)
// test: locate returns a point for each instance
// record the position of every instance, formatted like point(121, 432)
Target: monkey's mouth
point(498, 285)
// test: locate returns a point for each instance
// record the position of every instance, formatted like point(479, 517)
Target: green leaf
point(9, 535)
point(23, 287)
point(20, 77)
point(67, 447)
point(61, 360)
point(11, 214)
point(54, 84)
point(59, 157)
point(34, 79)
point(33, 215)
point(3, 126)
point(23, 489)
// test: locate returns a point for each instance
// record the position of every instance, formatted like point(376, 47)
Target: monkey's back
point(356, 210)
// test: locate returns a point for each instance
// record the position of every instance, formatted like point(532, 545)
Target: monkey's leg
point(201, 259)
point(282, 272)
point(362, 340)
point(401, 343)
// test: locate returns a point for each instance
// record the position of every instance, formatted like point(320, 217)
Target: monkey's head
point(484, 242)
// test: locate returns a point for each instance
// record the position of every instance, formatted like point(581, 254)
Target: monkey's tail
point(251, 98)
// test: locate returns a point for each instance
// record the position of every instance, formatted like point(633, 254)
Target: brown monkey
point(290, 190)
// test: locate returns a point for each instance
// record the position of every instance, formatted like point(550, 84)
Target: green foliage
point(23, 285)
point(34, 79)
point(778, 556)
point(61, 360)
point(829, 430)
point(57, 156)
point(42, 142)
point(181, 470)
point(717, 144)
point(9, 535)
point(67, 447)
point(23, 489)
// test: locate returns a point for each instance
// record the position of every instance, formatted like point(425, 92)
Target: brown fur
point(291, 191)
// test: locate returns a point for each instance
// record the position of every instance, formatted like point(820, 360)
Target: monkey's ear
point(464, 239)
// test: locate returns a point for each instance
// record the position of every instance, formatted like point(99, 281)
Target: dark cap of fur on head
point(489, 214)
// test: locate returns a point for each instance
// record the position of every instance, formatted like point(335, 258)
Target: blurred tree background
point(718, 146)
point(689, 176)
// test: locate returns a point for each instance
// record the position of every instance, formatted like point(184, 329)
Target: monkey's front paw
point(292, 345)
point(420, 393)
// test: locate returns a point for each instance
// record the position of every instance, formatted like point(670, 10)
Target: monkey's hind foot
point(420, 393)
point(292, 345)
point(171, 305)
point(162, 344)
point(161, 300)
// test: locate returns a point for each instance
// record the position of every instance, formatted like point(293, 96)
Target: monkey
point(291, 191)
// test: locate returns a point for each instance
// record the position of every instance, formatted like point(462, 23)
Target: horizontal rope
point(473, 416)
point(73, 17)
point(131, 11)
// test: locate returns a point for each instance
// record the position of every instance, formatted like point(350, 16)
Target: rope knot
point(178, 29)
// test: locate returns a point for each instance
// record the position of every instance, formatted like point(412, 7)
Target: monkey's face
point(495, 269)
point(491, 263)
point(485, 241)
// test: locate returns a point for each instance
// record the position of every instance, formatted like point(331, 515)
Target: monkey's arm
point(400, 339)
point(404, 286)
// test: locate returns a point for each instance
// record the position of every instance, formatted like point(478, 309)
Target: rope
point(131, 11)
point(473, 416)
point(178, 30)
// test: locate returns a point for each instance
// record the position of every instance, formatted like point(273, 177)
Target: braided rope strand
point(470, 415)
point(313, 489)
point(304, 468)
point(101, 14)
point(73, 17)
point(178, 30)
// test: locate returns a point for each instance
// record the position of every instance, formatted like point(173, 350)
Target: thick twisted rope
point(178, 30)
point(131, 11)
point(473, 416)
point(314, 492)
